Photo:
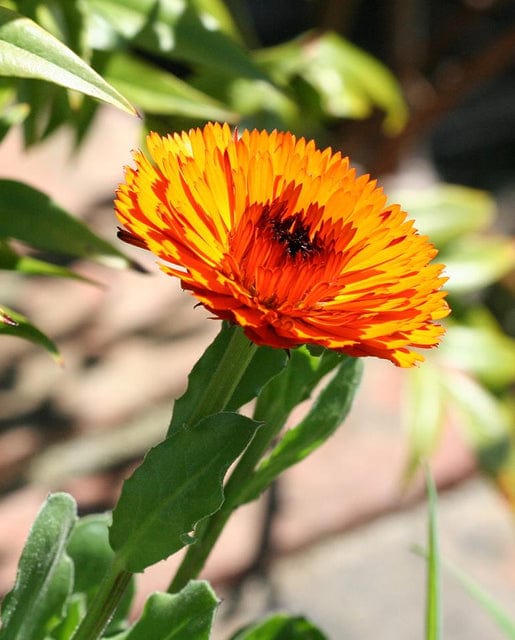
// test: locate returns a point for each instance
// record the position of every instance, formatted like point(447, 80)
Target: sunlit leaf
point(477, 263)
point(484, 419)
point(350, 82)
point(483, 351)
point(28, 51)
point(157, 91)
point(179, 30)
point(424, 413)
point(447, 212)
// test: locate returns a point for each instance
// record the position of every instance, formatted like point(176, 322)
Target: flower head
point(282, 238)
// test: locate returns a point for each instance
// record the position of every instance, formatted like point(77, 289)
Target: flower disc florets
point(273, 234)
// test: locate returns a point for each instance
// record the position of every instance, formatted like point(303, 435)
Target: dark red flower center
point(290, 231)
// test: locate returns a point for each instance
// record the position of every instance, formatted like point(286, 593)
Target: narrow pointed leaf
point(15, 324)
point(12, 261)
point(423, 415)
point(328, 412)
point(28, 51)
point(45, 574)
point(182, 616)
point(156, 91)
point(178, 484)
point(33, 217)
point(433, 597)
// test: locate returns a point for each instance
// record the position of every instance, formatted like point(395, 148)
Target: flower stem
point(104, 604)
point(236, 492)
point(226, 376)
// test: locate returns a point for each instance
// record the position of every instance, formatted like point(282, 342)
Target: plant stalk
point(104, 604)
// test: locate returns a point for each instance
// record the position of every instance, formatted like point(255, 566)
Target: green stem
point(236, 492)
point(104, 604)
point(225, 378)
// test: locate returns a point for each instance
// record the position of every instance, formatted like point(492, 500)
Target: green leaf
point(485, 420)
point(447, 212)
point(280, 626)
point(477, 263)
point(11, 261)
point(156, 91)
point(28, 51)
point(32, 217)
point(501, 617)
point(433, 589)
point(178, 484)
point(349, 81)
point(265, 364)
point(45, 574)
point(13, 323)
point(482, 351)
point(424, 413)
point(92, 556)
point(184, 31)
point(11, 113)
point(186, 615)
point(327, 413)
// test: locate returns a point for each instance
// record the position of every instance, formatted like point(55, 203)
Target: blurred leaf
point(260, 104)
point(45, 574)
point(350, 82)
point(433, 588)
point(178, 484)
point(187, 615)
point(92, 555)
point(477, 262)
point(325, 416)
point(265, 364)
point(28, 51)
point(11, 261)
point(280, 626)
point(485, 420)
point(32, 217)
point(447, 212)
point(64, 19)
point(178, 30)
point(500, 616)
point(157, 91)
point(484, 352)
point(14, 324)
point(11, 112)
point(423, 414)
point(75, 611)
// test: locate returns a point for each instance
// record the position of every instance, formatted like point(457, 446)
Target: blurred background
point(419, 94)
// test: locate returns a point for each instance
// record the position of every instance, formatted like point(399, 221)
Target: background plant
point(129, 45)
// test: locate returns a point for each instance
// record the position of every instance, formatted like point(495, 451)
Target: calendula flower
point(275, 235)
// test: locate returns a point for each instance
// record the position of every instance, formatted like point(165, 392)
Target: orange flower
point(285, 240)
